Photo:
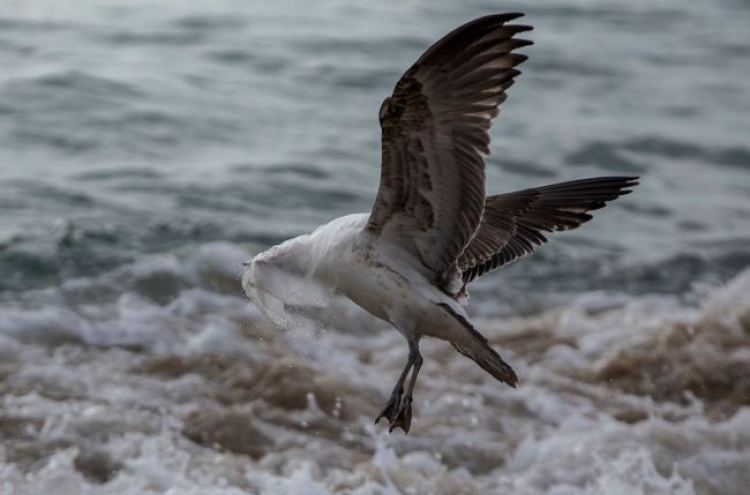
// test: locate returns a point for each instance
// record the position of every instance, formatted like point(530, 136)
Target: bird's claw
point(390, 410)
point(402, 418)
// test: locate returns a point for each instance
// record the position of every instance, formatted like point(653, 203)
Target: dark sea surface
point(148, 148)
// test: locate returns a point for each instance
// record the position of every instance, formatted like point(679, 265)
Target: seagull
point(432, 230)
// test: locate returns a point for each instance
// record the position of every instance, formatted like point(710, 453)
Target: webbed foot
point(391, 409)
point(402, 418)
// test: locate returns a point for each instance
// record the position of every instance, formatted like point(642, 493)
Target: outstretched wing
point(513, 223)
point(434, 129)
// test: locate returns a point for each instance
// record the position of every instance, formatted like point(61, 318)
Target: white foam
point(555, 434)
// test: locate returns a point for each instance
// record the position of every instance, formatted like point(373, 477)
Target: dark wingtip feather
point(556, 207)
point(522, 42)
point(505, 17)
point(626, 184)
point(521, 28)
point(632, 181)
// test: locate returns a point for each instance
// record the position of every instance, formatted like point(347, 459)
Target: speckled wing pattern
point(434, 130)
point(513, 223)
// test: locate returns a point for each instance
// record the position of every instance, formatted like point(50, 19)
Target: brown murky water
point(643, 397)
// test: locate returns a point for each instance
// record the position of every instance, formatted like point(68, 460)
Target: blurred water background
point(148, 148)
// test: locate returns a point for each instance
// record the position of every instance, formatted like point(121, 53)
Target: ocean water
point(147, 149)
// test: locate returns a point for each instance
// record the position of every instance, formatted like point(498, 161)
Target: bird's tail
point(478, 350)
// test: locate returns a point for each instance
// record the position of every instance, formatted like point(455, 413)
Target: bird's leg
point(392, 406)
point(402, 419)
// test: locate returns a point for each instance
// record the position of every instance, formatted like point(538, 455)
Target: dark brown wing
point(434, 129)
point(513, 223)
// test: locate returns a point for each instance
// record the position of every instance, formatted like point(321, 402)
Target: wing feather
point(513, 223)
point(434, 130)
